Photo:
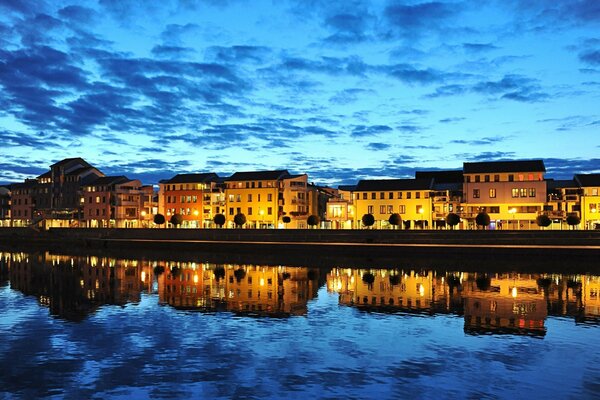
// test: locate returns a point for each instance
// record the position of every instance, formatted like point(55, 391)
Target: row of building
point(74, 193)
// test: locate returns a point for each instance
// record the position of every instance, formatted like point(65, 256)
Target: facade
point(196, 197)
point(115, 202)
point(589, 202)
point(22, 203)
point(265, 197)
point(446, 196)
point(5, 194)
point(512, 193)
point(411, 198)
point(340, 208)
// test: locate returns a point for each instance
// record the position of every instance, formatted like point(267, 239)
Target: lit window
point(515, 192)
point(531, 192)
point(492, 193)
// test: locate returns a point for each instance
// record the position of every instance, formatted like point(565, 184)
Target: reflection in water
point(74, 287)
point(490, 303)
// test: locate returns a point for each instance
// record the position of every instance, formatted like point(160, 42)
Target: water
point(93, 327)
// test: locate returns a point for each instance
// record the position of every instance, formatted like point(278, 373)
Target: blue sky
point(341, 90)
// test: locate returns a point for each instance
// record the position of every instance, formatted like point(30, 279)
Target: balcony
point(553, 214)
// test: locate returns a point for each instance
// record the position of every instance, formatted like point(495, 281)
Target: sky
point(340, 90)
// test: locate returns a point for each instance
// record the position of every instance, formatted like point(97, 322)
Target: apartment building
point(196, 197)
point(513, 193)
point(265, 197)
point(115, 202)
point(411, 198)
point(340, 208)
point(446, 196)
point(589, 201)
point(5, 194)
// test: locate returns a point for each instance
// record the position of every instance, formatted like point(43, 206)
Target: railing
point(553, 213)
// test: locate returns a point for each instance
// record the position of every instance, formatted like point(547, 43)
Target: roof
point(504, 166)
point(193, 178)
point(586, 180)
point(393, 184)
point(347, 188)
point(46, 175)
point(68, 161)
point(109, 180)
point(561, 184)
point(450, 176)
point(259, 175)
point(452, 186)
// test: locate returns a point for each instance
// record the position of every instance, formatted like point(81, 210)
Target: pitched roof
point(450, 176)
point(69, 160)
point(561, 184)
point(193, 178)
point(587, 180)
point(393, 184)
point(46, 175)
point(504, 166)
point(259, 175)
point(108, 180)
point(347, 188)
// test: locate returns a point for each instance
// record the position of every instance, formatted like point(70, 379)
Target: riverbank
point(562, 251)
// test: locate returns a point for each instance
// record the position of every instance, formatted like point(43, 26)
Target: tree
point(368, 278)
point(395, 219)
point(543, 221)
point(239, 274)
point(176, 219)
point(313, 220)
point(482, 219)
point(219, 220)
point(452, 220)
point(368, 220)
point(573, 220)
point(239, 220)
point(286, 220)
point(219, 272)
point(159, 219)
point(483, 282)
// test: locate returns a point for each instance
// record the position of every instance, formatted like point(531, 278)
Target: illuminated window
point(369, 209)
point(515, 192)
point(492, 193)
point(382, 209)
point(390, 209)
point(531, 192)
point(521, 177)
point(523, 192)
point(530, 177)
point(97, 199)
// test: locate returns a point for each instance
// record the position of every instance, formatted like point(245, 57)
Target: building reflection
point(243, 289)
point(74, 287)
point(490, 303)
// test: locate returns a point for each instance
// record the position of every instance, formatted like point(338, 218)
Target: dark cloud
point(347, 28)
point(451, 120)
point(238, 54)
point(78, 14)
point(173, 32)
point(348, 96)
point(478, 47)
point(171, 51)
point(487, 156)
point(591, 57)
point(412, 20)
point(376, 146)
point(565, 168)
point(40, 140)
point(369, 130)
point(480, 142)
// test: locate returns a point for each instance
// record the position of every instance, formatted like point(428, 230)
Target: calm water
point(88, 327)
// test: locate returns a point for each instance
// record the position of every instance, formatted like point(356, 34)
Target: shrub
point(368, 220)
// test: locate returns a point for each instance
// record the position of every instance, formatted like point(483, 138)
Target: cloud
point(348, 96)
point(173, 33)
point(478, 47)
point(591, 57)
point(480, 142)
point(413, 20)
point(377, 146)
point(451, 120)
point(78, 14)
point(238, 54)
point(171, 51)
point(347, 28)
point(369, 130)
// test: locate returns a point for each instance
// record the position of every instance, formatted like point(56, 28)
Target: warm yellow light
point(421, 290)
point(195, 278)
point(261, 212)
point(143, 276)
point(196, 212)
point(512, 210)
point(262, 281)
point(143, 213)
point(339, 285)
point(594, 210)
point(514, 292)
point(421, 211)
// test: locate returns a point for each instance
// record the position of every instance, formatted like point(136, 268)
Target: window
point(364, 196)
point(231, 197)
point(390, 209)
point(390, 195)
point(468, 178)
point(382, 195)
point(382, 209)
point(97, 199)
point(494, 210)
point(238, 198)
point(477, 178)
point(511, 178)
point(475, 193)
point(399, 195)
point(260, 184)
point(521, 177)
point(270, 197)
point(402, 209)
point(258, 197)
point(369, 209)
point(487, 178)
point(249, 210)
point(595, 192)
point(408, 195)
point(530, 177)
point(250, 197)
point(492, 193)
point(239, 210)
point(523, 192)
point(269, 210)
point(515, 192)
point(496, 178)
point(373, 196)
point(531, 192)
point(417, 195)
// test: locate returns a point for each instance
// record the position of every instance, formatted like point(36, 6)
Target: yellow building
point(265, 197)
point(512, 193)
point(340, 208)
point(383, 197)
point(589, 200)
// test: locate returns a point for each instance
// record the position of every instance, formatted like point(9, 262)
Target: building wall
point(259, 201)
point(414, 207)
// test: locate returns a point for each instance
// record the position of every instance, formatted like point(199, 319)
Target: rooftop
point(586, 180)
point(504, 166)
point(393, 184)
point(193, 178)
point(259, 175)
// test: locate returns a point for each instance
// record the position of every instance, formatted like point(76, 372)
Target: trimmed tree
point(543, 221)
point(368, 278)
point(286, 220)
point(313, 220)
point(219, 272)
point(159, 219)
point(452, 220)
point(239, 220)
point(219, 220)
point(176, 219)
point(482, 219)
point(573, 220)
point(395, 220)
point(368, 220)
point(239, 274)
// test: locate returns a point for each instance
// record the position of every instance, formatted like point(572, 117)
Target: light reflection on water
point(85, 327)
